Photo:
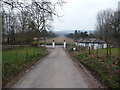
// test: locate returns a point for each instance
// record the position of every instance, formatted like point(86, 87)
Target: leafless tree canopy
point(107, 27)
point(22, 20)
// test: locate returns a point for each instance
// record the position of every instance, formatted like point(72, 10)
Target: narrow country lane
point(57, 70)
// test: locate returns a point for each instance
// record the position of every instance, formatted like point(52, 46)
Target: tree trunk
point(37, 41)
point(118, 40)
point(107, 48)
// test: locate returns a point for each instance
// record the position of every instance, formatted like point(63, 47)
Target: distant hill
point(63, 32)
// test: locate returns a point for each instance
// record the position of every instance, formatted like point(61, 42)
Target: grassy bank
point(106, 68)
point(17, 59)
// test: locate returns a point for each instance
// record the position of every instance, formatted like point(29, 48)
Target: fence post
point(34, 52)
point(109, 50)
point(89, 50)
point(79, 48)
point(38, 51)
point(97, 51)
point(26, 52)
point(16, 54)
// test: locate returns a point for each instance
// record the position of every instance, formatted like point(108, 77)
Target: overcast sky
point(81, 14)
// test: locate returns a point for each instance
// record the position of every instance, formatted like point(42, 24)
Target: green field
point(114, 51)
point(17, 59)
point(106, 68)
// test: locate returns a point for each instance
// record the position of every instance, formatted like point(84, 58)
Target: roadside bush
point(106, 68)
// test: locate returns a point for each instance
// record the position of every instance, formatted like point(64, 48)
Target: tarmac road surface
point(57, 70)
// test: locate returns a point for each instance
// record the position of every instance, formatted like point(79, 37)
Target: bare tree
point(34, 16)
point(107, 25)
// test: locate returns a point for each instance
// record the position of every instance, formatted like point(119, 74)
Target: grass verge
point(15, 60)
point(106, 68)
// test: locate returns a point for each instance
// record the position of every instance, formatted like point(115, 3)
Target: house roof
point(90, 40)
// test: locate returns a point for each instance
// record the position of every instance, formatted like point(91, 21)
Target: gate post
point(53, 44)
point(64, 44)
